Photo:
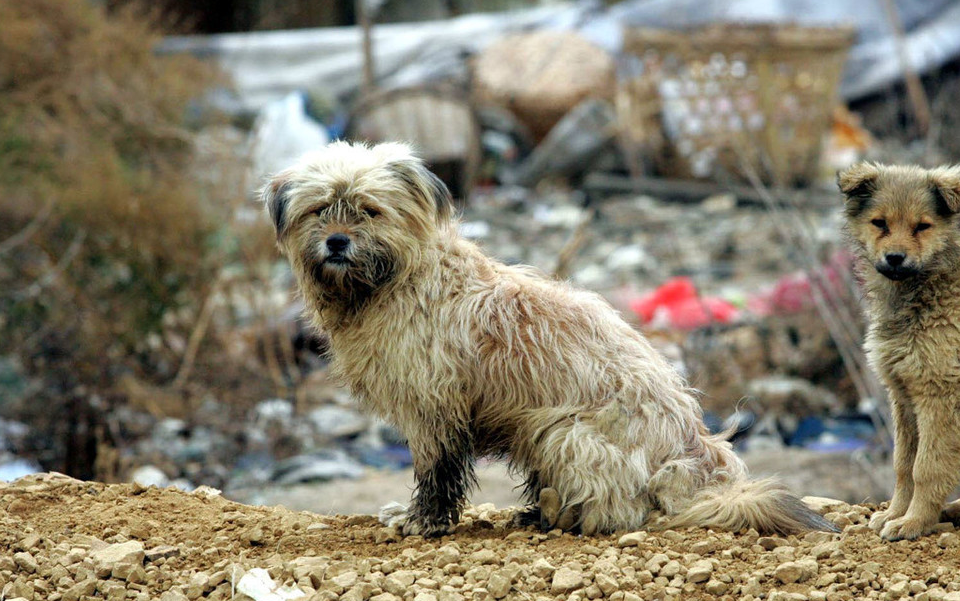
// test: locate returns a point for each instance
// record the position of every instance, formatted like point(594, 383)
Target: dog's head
point(902, 218)
point(353, 218)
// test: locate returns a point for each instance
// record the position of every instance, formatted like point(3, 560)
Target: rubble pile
point(66, 540)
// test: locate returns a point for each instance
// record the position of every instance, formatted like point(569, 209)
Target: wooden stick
point(366, 26)
point(918, 96)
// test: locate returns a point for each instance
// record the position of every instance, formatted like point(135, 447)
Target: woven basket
point(440, 122)
point(539, 76)
point(723, 99)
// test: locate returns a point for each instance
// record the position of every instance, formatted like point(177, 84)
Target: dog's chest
point(917, 350)
point(401, 367)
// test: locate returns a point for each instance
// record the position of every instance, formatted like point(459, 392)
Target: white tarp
point(266, 66)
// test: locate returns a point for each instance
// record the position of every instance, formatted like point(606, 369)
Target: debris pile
point(66, 540)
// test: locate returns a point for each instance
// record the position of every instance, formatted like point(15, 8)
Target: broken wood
point(689, 190)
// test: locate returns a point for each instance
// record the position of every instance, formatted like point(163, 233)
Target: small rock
point(346, 580)
point(632, 539)
point(772, 542)
point(485, 556)
point(655, 563)
point(388, 535)
point(606, 584)
point(671, 569)
point(566, 580)
point(80, 589)
point(948, 539)
point(898, 589)
point(542, 568)
point(161, 552)
point(447, 554)
point(173, 595)
point(795, 571)
point(130, 552)
point(824, 550)
point(700, 572)
point(399, 582)
point(716, 587)
point(499, 584)
point(26, 562)
point(824, 504)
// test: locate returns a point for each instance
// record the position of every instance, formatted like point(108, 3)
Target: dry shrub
point(110, 239)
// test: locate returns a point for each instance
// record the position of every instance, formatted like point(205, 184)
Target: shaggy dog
point(902, 224)
point(470, 357)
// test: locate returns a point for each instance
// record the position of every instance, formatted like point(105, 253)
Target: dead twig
point(572, 246)
point(197, 335)
point(832, 309)
point(54, 271)
point(29, 230)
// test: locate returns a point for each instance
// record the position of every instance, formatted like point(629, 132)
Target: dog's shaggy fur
point(470, 357)
point(903, 226)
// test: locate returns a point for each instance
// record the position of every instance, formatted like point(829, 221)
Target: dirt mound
point(66, 540)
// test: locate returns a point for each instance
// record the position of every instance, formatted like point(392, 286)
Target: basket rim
point(739, 35)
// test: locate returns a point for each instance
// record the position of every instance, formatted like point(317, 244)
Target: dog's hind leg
point(596, 478)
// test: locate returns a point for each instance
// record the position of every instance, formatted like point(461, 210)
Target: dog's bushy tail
point(765, 505)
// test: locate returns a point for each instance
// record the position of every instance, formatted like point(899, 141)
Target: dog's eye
point(319, 211)
point(920, 227)
point(371, 212)
point(880, 223)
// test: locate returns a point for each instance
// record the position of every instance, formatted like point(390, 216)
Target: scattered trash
point(572, 146)
point(17, 468)
point(677, 304)
point(149, 475)
point(259, 586)
point(322, 465)
point(282, 133)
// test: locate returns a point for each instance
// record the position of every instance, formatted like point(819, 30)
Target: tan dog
point(903, 226)
point(470, 357)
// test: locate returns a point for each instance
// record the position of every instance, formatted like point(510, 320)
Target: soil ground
point(66, 540)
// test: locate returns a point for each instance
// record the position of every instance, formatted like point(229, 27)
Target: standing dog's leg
point(904, 455)
point(935, 471)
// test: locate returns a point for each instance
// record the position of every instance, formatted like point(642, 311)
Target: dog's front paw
point(880, 518)
point(414, 527)
point(395, 515)
point(906, 528)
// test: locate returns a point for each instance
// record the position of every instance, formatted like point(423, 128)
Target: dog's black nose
point(338, 243)
point(895, 259)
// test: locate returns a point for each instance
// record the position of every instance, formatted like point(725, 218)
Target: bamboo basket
point(440, 122)
point(706, 103)
point(540, 76)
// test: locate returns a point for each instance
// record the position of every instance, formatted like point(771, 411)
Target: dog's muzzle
point(896, 273)
point(338, 245)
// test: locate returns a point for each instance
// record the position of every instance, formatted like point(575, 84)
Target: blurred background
point(677, 157)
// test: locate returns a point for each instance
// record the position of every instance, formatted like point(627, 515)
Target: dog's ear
point(858, 180)
point(945, 183)
point(858, 184)
point(275, 196)
point(426, 186)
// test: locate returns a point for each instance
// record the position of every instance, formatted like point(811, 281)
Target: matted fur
point(913, 340)
point(469, 357)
